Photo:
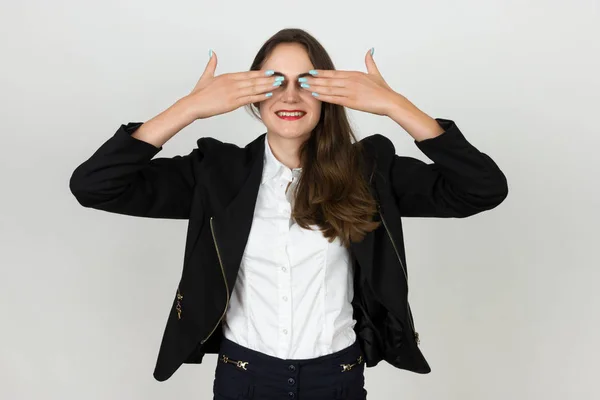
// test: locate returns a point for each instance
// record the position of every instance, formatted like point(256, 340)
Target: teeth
point(290, 114)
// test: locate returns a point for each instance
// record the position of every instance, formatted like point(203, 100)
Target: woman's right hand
point(214, 95)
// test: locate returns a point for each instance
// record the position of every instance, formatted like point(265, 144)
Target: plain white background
point(506, 302)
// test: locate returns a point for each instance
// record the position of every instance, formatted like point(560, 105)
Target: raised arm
point(122, 177)
point(461, 181)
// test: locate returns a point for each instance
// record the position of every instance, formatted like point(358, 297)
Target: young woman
point(294, 270)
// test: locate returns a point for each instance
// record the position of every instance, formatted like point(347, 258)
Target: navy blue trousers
point(245, 374)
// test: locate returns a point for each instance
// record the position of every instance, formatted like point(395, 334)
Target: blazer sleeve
point(462, 181)
point(121, 177)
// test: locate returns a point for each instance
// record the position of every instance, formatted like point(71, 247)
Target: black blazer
point(215, 188)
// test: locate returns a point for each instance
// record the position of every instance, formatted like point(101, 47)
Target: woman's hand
point(370, 93)
point(353, 89)
point(214, 95)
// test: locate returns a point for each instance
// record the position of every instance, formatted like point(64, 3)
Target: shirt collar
point(274, 169)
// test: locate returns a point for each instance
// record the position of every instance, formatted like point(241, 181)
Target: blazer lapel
point(232, 225)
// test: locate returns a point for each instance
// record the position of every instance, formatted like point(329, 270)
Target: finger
point(271, 80)
point(249, 74)
point(257, 98)
point(370, 63)
point(211, 66)
point(328, 90)
point(331, 82)
point(256, 90)
point(209, 71)
point(333, 73)
point(340, 100)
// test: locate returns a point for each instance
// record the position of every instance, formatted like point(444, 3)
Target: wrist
point(184, 107)
point(400, 108)
point(414, 121)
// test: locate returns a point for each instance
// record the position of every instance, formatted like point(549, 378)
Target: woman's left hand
point(360, 91)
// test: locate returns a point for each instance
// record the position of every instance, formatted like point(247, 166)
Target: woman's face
point(290, 60)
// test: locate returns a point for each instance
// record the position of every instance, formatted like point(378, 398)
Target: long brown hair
point(332, 191)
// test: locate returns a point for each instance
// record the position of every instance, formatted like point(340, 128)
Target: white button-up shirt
point(292, 298)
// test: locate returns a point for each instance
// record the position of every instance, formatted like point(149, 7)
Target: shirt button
point(292, 368)
point(285, 331)
point(291, 381)
point(291, 395)
point(283, 269)
point(284, 298)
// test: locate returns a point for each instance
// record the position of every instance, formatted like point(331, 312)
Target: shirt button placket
point(284, 282)
point(286, 311)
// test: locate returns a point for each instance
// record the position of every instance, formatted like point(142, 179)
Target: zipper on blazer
point(178, 306)
point(408, 313)
point(224, 280)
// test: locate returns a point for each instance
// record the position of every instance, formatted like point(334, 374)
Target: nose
point(291, 93)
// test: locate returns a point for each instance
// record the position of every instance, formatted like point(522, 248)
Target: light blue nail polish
point(305, 85)
point(312, 72)
point(210, 53)
point(315, 94)
point(269, 94)
point(372, 50)
point(269, 72)
point(279, 78)
point(278, 83)
point(302, 79)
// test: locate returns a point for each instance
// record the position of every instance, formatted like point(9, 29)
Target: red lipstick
point(290, 118)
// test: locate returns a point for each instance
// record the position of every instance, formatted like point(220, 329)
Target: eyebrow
point(277, 73)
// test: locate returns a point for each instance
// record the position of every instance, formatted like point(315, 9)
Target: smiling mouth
point(290, 116)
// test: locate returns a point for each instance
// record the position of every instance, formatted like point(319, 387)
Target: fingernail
point(269, 72)
point(210, 53)
point(302, 79)
point(372, 50)
point(269, 94)
point(312, 72)
point(315, 94)
point(278, 83)
point(305, 85)
point(279, 78)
